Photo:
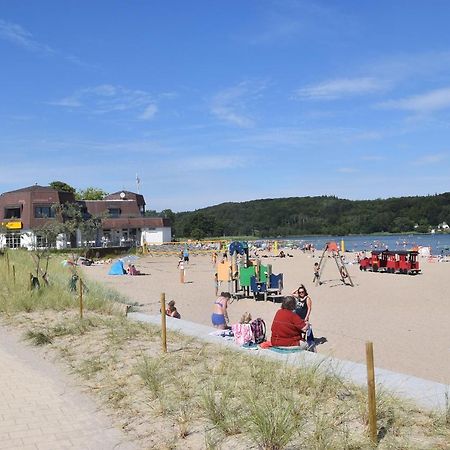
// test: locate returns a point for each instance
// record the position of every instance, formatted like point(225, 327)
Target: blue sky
point(232, 100)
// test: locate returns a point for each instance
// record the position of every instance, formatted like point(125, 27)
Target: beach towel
point(293, 349)
point(242, 333)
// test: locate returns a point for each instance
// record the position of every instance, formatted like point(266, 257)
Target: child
point(171, 311)
point(316, 278)
point(246, 318)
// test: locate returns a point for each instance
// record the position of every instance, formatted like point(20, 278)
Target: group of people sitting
point(131, 270)
point(290, 326)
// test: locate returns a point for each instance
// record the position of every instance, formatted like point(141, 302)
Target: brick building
point(25, 211)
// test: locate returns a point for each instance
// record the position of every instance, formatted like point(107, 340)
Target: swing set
point(332, 250)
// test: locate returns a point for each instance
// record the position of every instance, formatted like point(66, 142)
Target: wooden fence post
point(182, 272)
point(163, 323)
point(81, 297)
point(371, 393)
point(14, 274)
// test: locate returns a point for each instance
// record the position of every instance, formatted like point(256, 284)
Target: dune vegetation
point(197, 395)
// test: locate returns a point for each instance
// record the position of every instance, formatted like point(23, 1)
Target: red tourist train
point(400, 261)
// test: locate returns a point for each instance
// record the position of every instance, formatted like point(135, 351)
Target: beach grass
point(199, 395)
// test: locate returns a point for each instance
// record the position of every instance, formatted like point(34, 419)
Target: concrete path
point(425, 393)
point(40, 408)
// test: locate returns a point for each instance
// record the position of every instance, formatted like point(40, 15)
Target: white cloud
point(423, 103)
point(431, 159)
point(107, 98)
point(342, 87)
point(288, 137)
point(410, 66)
point(69, 102)
point(19, 36)
point(231, 105)
point(209, 163)
point(278, 28)
point(149, 112)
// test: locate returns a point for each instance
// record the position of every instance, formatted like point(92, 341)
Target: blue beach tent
point(117, 268)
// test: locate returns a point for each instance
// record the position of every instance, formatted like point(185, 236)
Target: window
point(12, 213)
point(43, 242)
point(114, 212)
point(12, 240)
point(44, 212)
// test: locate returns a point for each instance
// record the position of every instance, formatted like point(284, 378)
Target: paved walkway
point(40, 408)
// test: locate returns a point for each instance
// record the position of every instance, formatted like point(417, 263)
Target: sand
point(406, 317)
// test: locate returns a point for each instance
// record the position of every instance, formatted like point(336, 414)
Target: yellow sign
point(16, 225)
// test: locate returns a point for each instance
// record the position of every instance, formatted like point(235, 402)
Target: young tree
point(91, 193)
point(74, 218)
point(61, 186)
point(45, 238)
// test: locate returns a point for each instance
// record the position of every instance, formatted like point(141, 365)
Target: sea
point(439, 243)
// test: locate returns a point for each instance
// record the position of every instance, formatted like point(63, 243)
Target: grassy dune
point(200, 395)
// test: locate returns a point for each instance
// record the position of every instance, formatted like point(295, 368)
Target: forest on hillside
point(313, 215)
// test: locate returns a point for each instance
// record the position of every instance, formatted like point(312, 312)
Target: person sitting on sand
point(171, 310)
point(304, 303)
point(287, 327)
point(131, 270)
point(219, 317)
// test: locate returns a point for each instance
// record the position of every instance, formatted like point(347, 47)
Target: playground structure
point(401, 262)
point(247, 278)
point(331, 250)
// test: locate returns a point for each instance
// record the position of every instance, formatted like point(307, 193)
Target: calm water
point(438, 242)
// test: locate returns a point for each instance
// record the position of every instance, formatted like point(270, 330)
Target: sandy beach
point(406, 317)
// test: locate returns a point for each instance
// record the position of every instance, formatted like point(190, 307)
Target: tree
point(91, 193)
point(168, 214)
point(75, 219)
point(61, 186)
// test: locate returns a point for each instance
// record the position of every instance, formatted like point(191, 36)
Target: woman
point(304, 303)
point(288, 327)
point(219, 317)
point(303, 309)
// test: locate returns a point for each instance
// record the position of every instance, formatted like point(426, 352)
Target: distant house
point(443, 226)
point(25, 211)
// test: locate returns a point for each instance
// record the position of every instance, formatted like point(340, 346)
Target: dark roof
point(117, 194)
point(128, 196)
point(35, 187)
point(122, 190)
